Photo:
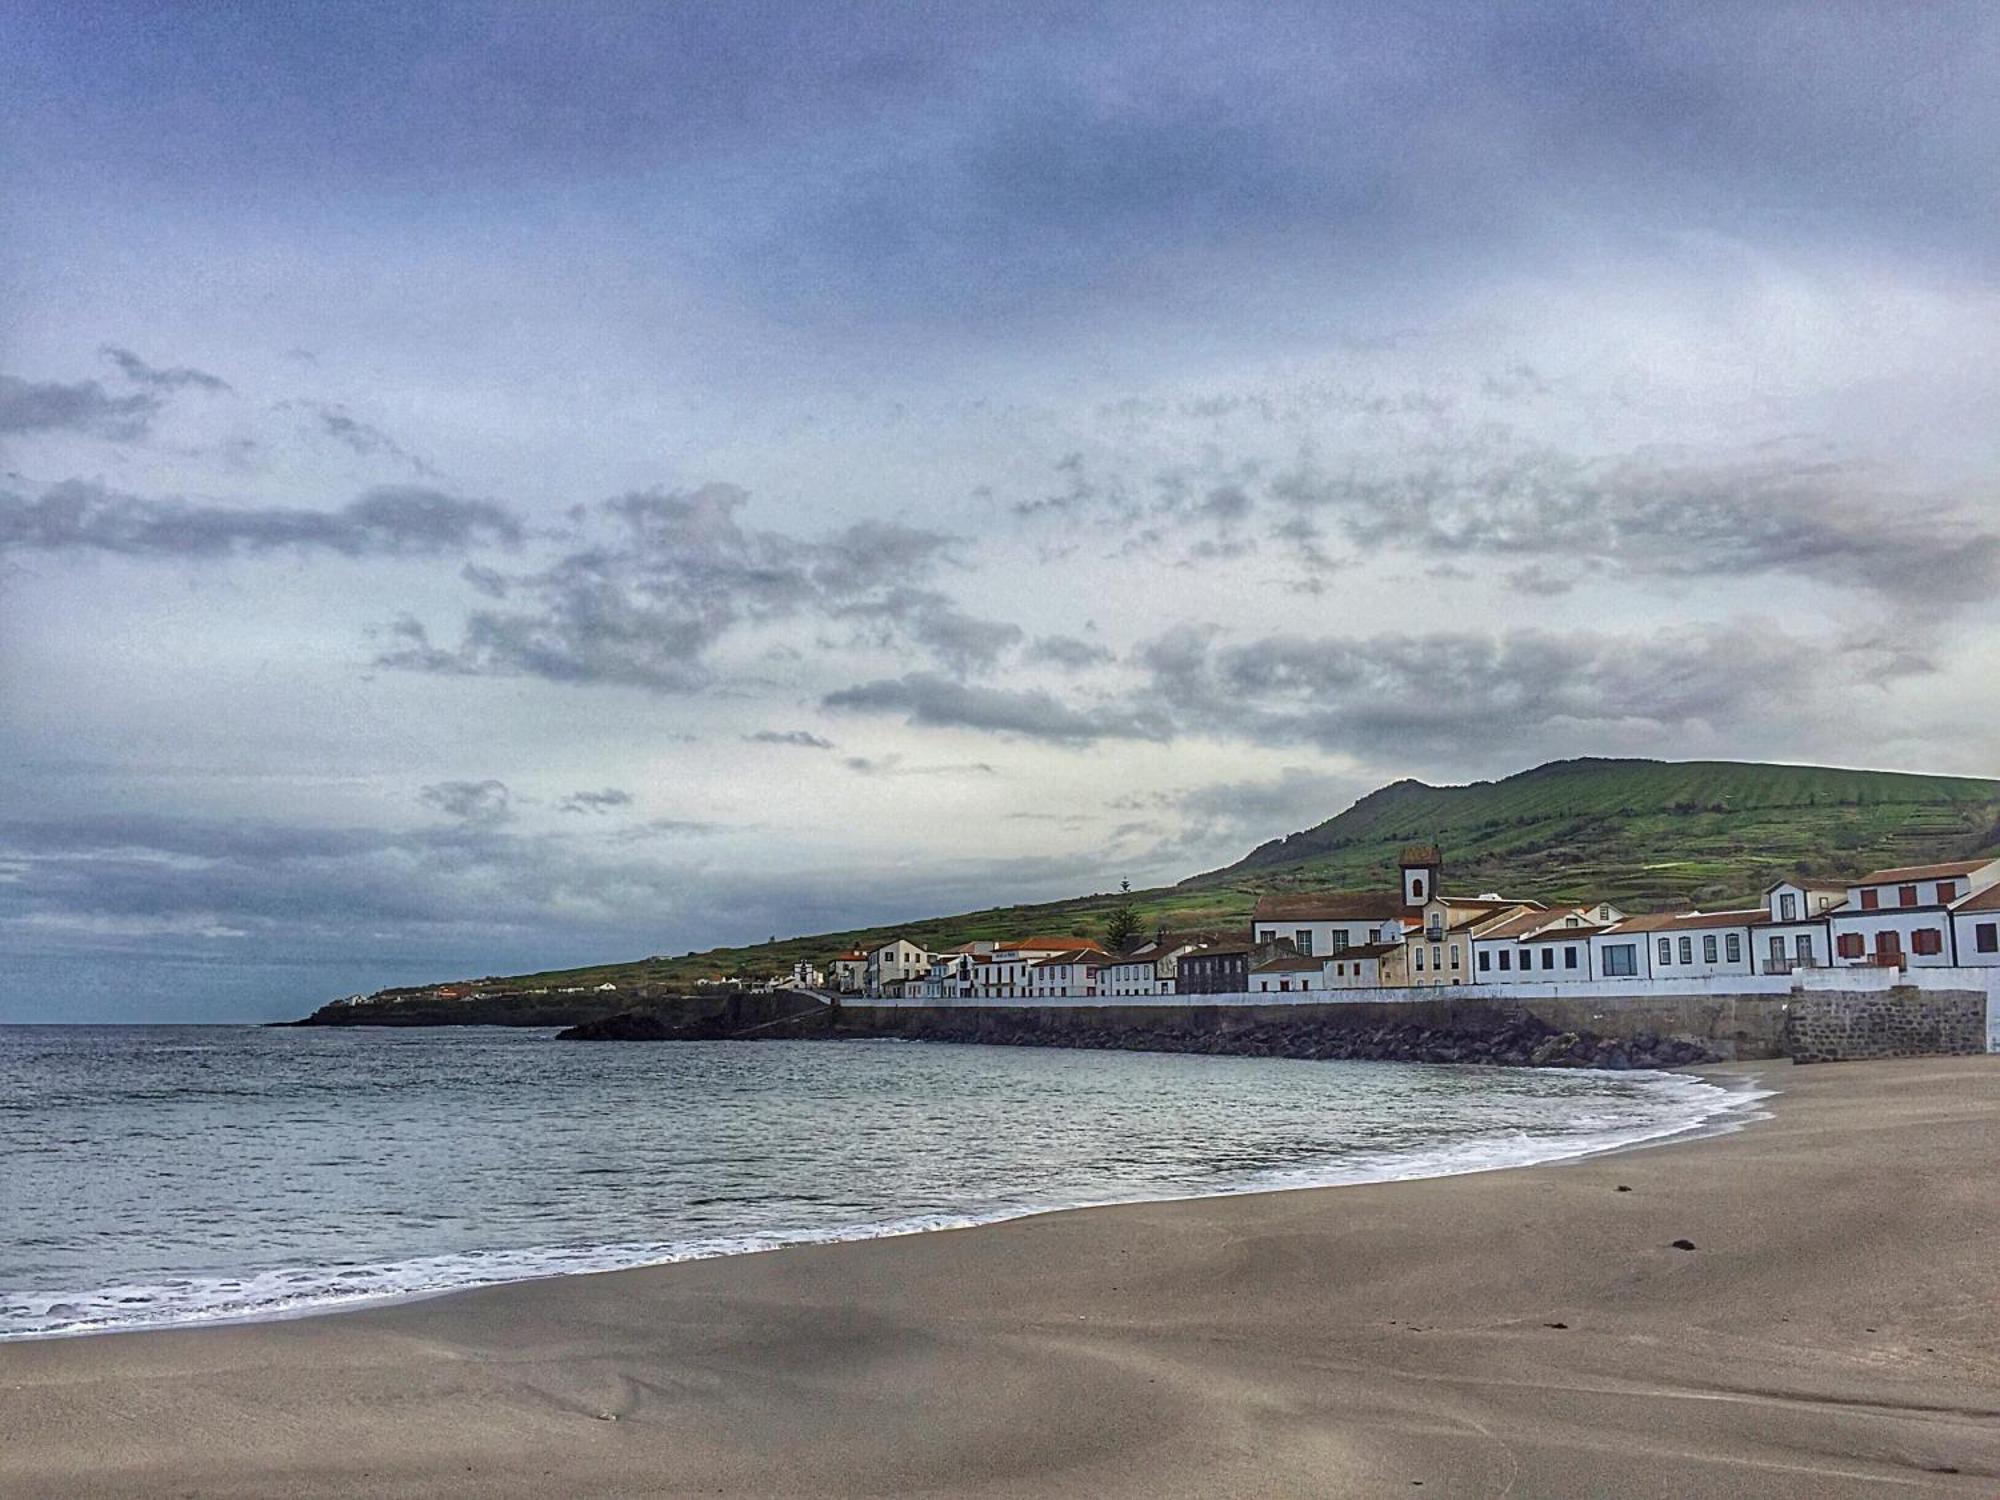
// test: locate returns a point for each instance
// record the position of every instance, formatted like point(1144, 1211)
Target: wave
point(1694, 1106)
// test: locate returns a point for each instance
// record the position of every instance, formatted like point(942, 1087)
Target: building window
point(1777, 949)
point(1805, 948)
point(1416, 887)
point(1420, 959)
point(1339, 940)
point(1548, 958)
point(1709, 953)
point(1268, 935)
point(1621, 960)
point(1687, 950)
point(1284, 984)
point(1454, 955)
point(1788, 907)
point(1437, 958)
point(1569, 957)
point(1736, 947)
point(1870, 899)
point(1848, 945)
point(1506, 958)
point(1947, 892)
point(1486, 959)
point(1304, 938)
point(1907, 895)
point(1666, 950)
point(1986, 937)
point(1927, 940)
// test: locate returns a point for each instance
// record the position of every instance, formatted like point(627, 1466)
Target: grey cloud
point(1665, 516)
point(798, 738)
point(1457, 694)
point(595, 802)
point(86, 407)
point(678, 571)
point(176, 377)
point(334, 421)
point(478, 802)
point(929, 699)
point(79, 515)
point(1068, 652)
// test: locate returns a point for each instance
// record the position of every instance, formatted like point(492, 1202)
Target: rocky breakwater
point(1513, 1040)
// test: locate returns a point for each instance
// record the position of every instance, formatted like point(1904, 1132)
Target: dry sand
point(1835, 1332)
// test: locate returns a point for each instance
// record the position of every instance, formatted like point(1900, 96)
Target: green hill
point(1649, 835)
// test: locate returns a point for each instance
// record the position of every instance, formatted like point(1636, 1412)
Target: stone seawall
point(1900, 1022)
point(1576, 1033)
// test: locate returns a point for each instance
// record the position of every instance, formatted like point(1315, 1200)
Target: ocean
point(165, 1175)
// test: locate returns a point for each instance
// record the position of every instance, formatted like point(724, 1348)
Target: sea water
point(162, 1175)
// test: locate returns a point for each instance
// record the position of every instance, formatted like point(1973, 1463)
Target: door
point(1889, 946)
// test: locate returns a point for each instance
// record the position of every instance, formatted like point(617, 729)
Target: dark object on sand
point(1683, 1244)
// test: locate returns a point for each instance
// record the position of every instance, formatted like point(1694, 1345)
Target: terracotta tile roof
point(1367, 950)
point(1514, 926)
point(1054, 960)
point(1055, 945)
point(1902, 874)
point(1986, 900)
point(1691, 920)
point(1288, 963)
point(1331, 906)
point(1557, 934)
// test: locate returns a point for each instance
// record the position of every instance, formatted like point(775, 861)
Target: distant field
point(1649, 835)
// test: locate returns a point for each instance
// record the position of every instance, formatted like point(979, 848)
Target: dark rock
point(1683, 1245)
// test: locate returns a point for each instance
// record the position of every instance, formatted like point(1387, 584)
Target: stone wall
point(1899, 1022)
point(1724, 1027)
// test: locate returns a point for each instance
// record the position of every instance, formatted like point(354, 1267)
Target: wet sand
point(1534, 1333)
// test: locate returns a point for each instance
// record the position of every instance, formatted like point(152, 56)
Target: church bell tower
point(1423, 868)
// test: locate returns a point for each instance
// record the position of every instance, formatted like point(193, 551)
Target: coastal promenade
point(1803, 1308)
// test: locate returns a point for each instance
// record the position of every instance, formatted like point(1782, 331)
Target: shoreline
point(1735, 1109)
point(1530, 1329)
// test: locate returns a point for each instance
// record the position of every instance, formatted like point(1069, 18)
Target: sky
point(486, 487)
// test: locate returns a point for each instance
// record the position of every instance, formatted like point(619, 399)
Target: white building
point(1147, 970)
point(1976, 928)
point(1009, 970)
point(1693, 945)
point(1904, 917)
point(1065, 976)
point(850, 972)
point(893, 966)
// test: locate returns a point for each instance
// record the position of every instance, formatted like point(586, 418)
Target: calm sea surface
point(153, 1175)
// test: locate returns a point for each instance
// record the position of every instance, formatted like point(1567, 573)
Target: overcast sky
point(486, 486)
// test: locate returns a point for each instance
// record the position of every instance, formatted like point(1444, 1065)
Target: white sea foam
point(1688, 1105)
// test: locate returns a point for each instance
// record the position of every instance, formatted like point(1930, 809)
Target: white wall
point(1967, 925)
point(1902, 921)
point(1701, 965)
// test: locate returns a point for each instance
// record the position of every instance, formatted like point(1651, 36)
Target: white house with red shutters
point(1975, 923)
point(1907, 917)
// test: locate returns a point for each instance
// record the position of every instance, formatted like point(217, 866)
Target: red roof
point(1331, 906)
point(1904, 873)
point(1986, 900)
point(1693, 920)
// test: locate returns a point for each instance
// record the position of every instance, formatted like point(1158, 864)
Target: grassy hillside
point(1647, 834)
point(1650, 835)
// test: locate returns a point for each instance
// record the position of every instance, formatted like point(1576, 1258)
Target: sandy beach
point(1835, 1331)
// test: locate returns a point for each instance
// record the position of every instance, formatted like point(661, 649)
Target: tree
point(1122, 925)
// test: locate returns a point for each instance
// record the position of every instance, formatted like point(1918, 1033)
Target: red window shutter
point(1870, 900)
point(1927, 940)
point(1907, 895)
point(1850, 945)
point(1947, 892)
